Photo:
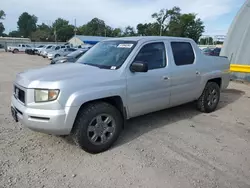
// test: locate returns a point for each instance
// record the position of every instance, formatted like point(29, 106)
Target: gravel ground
point(178, 147)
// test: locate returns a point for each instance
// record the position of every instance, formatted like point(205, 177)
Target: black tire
point(204, 103)
point(57, 55)
point(15, 51)
point(83, 120)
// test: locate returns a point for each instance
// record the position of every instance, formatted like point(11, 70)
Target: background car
point(61, 52)
point(215, 52)
point(71, 58)
point(36, 50)
point(211, 51)
point(43, 49)
point(53, 48)
point(19, 48)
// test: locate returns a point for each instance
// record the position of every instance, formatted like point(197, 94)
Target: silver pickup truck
point(19, 48)
point(116, 80)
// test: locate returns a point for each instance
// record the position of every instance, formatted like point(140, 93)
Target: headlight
point(45, 95)
point(63, 60)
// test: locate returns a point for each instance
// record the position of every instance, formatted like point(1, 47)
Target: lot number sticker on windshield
point(125, 46)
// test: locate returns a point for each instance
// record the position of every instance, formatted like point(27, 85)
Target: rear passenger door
point(149, 91)
point(22, 49)
point(185, 76)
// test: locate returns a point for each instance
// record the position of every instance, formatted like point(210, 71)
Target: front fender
point(85, 95)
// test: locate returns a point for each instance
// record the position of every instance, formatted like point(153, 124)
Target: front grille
point(19, 94)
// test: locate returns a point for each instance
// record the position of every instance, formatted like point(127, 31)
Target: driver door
point(148, 92)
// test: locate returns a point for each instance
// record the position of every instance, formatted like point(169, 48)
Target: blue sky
point(216, 14)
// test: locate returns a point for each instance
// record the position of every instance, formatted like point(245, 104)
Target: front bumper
point(50, 57)
point(56, 122)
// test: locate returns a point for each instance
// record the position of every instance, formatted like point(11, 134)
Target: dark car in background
point(211, 51)
point(71, 58)
point(215, 52)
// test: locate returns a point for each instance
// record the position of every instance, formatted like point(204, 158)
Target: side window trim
point(153, 42)
point(174, 60)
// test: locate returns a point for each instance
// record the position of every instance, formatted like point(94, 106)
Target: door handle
point(166, 78)
point(198, 73)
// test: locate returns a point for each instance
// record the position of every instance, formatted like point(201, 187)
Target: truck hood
point(52, 76)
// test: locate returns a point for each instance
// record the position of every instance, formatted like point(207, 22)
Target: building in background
point(80, 40)
point(237, 46)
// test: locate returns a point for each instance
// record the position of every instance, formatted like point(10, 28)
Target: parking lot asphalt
point(178, 147)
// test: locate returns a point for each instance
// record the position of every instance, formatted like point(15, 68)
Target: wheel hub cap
point(101, 129)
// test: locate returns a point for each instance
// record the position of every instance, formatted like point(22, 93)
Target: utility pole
point(161, 28)
point(55, 35)
point(75, 28)
point(105, 32)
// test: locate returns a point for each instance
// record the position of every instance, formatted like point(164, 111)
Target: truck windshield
point(108, 54)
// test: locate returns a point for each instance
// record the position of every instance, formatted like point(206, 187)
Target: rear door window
point(183, 53)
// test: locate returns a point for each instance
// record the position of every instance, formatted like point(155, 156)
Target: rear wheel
point(210, 98)
point(15, 51)
point(97, 127)
point(57, 55)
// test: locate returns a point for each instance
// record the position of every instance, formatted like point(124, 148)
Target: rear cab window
point(183, 53)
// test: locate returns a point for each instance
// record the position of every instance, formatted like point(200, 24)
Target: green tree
point(187, 25)
point(44, 27)
point(129, 31)
point(206, 41)
point(62, 30)
point(164, 17)
point(14, 34)
point(26, 24)
point(42, 33)
point(117, 32)
point(2, 17)
point(95, 27)
point(170, 22)
point(2, 14)
point(148, 29)
point(160, 19)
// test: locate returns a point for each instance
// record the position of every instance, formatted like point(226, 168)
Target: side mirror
point(139, 66)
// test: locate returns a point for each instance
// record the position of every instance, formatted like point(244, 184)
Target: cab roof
point(149, 38)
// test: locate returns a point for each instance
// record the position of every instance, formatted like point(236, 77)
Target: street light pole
point(75, 28)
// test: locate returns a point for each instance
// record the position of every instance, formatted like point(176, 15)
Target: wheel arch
point(217, 80)
point(115, 101)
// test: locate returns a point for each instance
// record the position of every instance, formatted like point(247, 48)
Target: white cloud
point(117, 13)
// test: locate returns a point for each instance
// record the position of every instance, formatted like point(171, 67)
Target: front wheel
point(97, 127)
point(57, 55)
point(210, 98)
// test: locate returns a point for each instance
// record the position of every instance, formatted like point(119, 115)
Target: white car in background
point(53, 48)
point(19, 48)
point(61, 52)
point(37, 49)
point(40, 52)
